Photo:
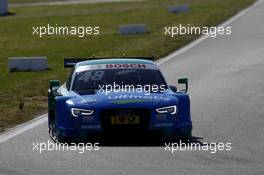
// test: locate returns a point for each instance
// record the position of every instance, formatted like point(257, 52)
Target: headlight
point(168, 109)
point(78, 112)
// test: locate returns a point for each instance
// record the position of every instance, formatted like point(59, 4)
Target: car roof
point(115, 61)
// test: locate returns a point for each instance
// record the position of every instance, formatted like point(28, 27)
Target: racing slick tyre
point(185, 137)
point(61, 138)
point(55, 135)
point(51, 123)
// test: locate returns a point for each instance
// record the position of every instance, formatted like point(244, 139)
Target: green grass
point(16, 40)
point(31, 1)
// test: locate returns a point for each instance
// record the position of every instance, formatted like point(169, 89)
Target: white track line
point(204, 37)
point(41, 119)
point(22, 128)
point(34, 4)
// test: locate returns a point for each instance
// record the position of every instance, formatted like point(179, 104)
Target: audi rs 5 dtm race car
point(117, 95)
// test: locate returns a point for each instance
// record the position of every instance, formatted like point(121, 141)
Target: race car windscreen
point(94, 79)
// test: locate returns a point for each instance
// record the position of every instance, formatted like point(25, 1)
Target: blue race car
point(117, 96)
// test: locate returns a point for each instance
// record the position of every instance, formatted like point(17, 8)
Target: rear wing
point(70, 62)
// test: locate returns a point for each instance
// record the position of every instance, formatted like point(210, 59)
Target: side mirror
point(54, 85)
point(183, 81)
point(173, 88)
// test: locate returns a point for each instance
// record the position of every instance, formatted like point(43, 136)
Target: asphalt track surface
point(227, 95)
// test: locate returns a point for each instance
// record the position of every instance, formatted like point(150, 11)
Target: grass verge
point(31, 1)
point(16, 39)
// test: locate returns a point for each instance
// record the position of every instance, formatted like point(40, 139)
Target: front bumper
point(168, 124)
point(166, 129)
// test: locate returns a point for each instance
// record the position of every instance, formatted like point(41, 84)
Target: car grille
point(142, 124)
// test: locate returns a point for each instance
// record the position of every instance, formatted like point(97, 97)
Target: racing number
point(92, 75)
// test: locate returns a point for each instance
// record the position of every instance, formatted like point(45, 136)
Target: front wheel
point(51, 123)
point(52, 132)
point(61, 138)
point(183, 136)
point(187, 137)
point(56, 136)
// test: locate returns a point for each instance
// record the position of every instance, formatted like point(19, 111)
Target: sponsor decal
point(128, 101)
point(124, 99)
point(146, 97)
point(117, 66)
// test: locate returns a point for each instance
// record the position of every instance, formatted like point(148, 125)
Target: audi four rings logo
point(125, 113)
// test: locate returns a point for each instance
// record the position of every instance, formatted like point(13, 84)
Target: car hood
point(114, 99)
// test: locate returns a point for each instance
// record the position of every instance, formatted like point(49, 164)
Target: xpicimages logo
point(211, 147)
point(79, 31)
point(117, 87)
point(173, 31)
point(41, 147)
